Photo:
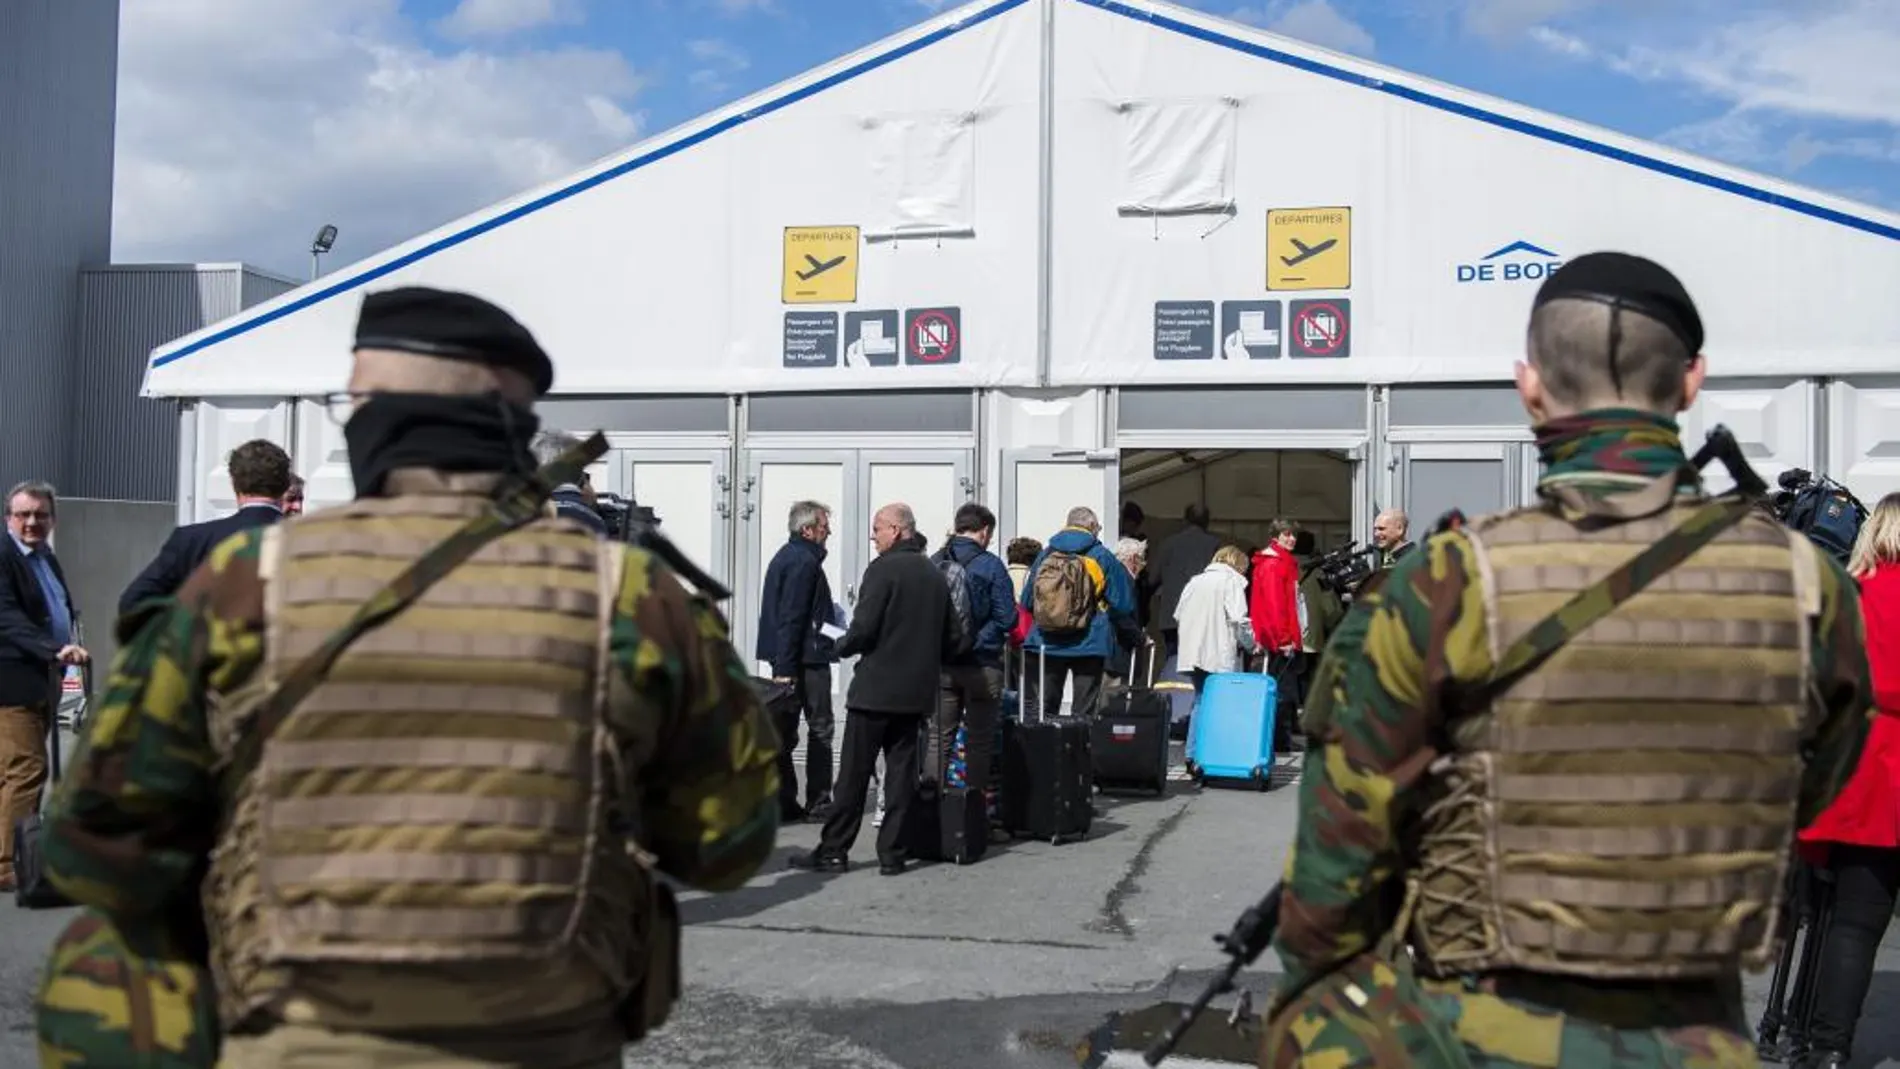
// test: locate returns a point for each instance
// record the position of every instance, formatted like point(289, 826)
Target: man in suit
point(260, 476)
point(37, 625)
point(905, 627)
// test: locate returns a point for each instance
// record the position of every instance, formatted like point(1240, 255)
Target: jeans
point(972, 697)
point(1866, 880)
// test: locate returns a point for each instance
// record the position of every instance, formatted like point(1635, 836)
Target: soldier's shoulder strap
point(1599, 599)
point(518, 502)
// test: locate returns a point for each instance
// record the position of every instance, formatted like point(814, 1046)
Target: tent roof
point(1161, 17)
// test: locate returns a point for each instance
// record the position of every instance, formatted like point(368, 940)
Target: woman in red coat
point(1860, 832)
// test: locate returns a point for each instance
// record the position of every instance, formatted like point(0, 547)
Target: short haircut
point(902, 516)
point(1280, 527)
point(1127, 548)
point(259, 468)
point(806, 514)
point(1132, 514)
point(1304, 542)
point(1023, 550)
point(1232, 556)
point(39, 489)
point(973, 517)
point(1082, 516)
point(1197, 515)
point(1570, 348)
point(547, 446)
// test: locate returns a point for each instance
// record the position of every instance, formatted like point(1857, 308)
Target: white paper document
point(831, 631)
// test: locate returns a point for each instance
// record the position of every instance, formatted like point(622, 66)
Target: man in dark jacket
point(1180, 557)
point(260, 477)
point(973, 680)
point(904, 627)
point(794, 608)
point(39, 629)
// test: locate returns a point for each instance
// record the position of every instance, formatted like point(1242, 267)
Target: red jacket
point(1273, 606)
point(1867, 812)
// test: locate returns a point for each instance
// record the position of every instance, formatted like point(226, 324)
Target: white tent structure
point(983, 257)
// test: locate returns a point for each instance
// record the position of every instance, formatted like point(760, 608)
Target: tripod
point(1782, 1035)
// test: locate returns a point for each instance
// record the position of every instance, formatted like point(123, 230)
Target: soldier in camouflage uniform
point(1575, 868)
point(443, 855)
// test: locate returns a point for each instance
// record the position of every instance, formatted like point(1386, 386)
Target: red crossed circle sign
point(933, 337)
point(1322, 337)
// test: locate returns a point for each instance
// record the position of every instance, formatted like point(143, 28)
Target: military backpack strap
point(1598, 600)
point(519, 501)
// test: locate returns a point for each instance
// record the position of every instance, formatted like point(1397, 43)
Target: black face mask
point(456, 434)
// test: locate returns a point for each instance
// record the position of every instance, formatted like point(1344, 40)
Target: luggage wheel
point(1262, 778)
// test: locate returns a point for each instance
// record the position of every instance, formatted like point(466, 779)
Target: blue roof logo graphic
point(1521, 246)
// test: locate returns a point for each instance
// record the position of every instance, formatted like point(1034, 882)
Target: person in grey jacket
point(1180, 557)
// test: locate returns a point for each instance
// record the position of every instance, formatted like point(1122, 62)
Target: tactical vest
point(433, 819)
point(1626, 810)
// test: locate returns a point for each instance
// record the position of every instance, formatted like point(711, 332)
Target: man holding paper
point(798, 623)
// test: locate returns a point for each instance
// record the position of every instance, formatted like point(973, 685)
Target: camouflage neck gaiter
point(1616, 448)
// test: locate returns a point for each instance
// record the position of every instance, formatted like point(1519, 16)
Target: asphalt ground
point(1006, 963)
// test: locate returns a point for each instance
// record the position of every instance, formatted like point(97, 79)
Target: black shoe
point(1823, 1059)
point(818, 812)
point(890, 868)
point(814, 861)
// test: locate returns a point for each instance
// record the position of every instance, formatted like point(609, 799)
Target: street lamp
point(325, 239)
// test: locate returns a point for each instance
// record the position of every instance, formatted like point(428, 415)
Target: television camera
point(1817, 506)
point(1344, 570)
point(638, 525)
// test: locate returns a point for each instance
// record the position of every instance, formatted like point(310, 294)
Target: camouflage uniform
point(130, 828)
point(1352, 994)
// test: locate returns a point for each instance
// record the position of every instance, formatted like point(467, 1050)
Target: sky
point(244, 125)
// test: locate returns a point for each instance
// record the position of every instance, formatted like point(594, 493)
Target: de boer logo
point(1516, 262)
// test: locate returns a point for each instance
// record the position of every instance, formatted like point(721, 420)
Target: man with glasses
point(37, 627)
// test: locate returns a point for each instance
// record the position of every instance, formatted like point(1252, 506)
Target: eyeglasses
point(341, 406)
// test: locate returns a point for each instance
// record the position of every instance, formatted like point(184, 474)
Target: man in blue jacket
point(973, 680)
point(795, 604)
point(1083, 602)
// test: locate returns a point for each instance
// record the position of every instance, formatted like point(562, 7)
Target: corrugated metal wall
point(260, 287)
point(58, 93)
point(120, 446)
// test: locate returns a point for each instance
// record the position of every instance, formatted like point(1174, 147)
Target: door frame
point(626, 458)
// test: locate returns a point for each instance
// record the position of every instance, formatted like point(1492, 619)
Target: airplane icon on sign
point(1306, 253)
point(819, 267)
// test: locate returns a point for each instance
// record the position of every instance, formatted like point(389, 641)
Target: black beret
point(1631, 283)
point(455, 326)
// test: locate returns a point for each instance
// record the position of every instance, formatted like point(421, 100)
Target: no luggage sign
point(1320, 329)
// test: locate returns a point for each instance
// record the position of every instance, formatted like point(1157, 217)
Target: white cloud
point(1561, 43)
point(498, 18)
point(243, 127)
point(1314, 21)
point(721, 59)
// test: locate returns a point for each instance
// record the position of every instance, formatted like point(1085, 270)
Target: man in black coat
point(1180, 557)
point(38, 631)
point(260, 477)
point(905, 629)
point(794, 609)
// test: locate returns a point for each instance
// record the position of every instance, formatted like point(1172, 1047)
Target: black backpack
point(957, 578)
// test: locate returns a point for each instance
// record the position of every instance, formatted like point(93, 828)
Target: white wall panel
point(1039, 491)
point(1863, 448)
point(1773, 423)
point(322, 457)
point(688, 494)
point(223, 427)
point(777, 480)
point(934, 490)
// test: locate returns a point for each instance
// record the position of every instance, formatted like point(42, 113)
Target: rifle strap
point(518, 502)
point(1598, 600)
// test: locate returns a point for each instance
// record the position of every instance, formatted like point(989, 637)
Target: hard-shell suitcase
point(1128, 743)
point(949, 820)
point(1048, 785)
point(1231, 737)
point(31, 888)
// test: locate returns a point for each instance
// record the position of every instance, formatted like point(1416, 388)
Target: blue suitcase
point(1231, 735)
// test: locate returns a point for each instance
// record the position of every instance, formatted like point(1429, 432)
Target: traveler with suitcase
point(1212, 614)
point(1081, 597)
point(1048, 778)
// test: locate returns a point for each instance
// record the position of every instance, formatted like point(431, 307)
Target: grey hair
point(1131, 549)
point(1570, 347)
point(36, 488)
point(903, 517)
point(806, 514)
point(1083, 516)
point(547, 445)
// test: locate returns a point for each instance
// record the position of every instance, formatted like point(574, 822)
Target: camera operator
point(572, 501)
point(1321, 608)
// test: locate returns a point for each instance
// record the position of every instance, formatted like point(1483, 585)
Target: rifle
point(1250, 937)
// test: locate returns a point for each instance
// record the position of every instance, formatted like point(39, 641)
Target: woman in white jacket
point(1213, 618)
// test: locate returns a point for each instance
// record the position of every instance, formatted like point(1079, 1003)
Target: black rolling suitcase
point(1129, 740)
point(946, 823)
point(31, 888)
point(1048, 779)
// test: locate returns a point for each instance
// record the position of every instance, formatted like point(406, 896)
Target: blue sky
point(389, 117)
